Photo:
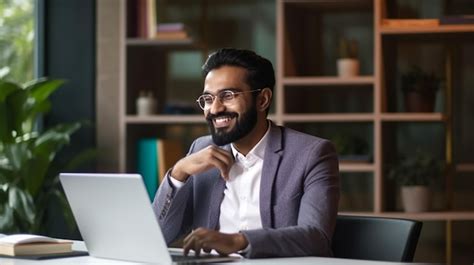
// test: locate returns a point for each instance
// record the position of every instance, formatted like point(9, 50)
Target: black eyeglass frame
point(201, 101)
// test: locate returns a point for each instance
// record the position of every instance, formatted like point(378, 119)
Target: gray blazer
point(299, 195)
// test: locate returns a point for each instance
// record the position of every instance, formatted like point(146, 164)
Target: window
point(17, 40)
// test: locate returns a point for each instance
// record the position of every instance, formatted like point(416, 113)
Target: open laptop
point(116, 219)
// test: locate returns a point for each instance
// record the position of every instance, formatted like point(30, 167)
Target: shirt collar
point(258, 150)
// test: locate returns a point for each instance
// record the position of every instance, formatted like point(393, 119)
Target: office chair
point(375, 238)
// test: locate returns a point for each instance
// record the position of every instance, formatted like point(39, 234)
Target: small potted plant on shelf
point(348, 63)
point(419, 90)
point(415, 173)
point(351, 148)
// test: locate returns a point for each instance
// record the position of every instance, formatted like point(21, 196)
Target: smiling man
point(251, 187)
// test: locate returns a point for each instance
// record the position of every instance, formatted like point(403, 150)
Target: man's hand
point(205, 159)
point(206, 240)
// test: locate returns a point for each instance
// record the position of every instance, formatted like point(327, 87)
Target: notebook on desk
point(116, 219)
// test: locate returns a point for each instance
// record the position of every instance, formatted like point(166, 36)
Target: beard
point(243, 126)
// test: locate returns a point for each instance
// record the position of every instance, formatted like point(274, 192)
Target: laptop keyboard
point(200, 259)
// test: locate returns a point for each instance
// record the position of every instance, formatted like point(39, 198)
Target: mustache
point(211, 116)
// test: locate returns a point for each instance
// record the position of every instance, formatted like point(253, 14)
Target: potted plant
point(419, 89)
point(29, 169)
point(415, 173)
point(348, 64)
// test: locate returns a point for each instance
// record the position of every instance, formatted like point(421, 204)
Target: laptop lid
point(115, 217)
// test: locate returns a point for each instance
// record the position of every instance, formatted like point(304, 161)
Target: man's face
point(231, 120)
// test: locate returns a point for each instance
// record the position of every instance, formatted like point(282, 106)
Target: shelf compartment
point(328, 81)
point(356, 191)
point(333, 117)
point(154, 70)
point(353, 141)
point(328, 99)
point(312, 31)
point(164, 119)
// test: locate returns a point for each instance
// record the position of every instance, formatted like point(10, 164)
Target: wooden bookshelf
point(441, 29)
point(308, 92)
point(426, 216)
point(376, 85)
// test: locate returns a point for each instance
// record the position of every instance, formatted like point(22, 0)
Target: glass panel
point(17, 40)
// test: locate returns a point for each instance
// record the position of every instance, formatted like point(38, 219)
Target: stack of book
point(28, 245)
point(155, 156)
point(410, 22)
point(171, 31)
point(144, 16)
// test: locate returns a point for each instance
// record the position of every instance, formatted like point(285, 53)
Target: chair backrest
point(375, 238)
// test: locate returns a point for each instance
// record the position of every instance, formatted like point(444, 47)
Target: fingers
point(209, 157)
point(203, 239)
point(196, 241)
point(222, 160)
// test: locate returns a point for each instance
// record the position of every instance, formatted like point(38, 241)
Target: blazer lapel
point(271, 163)
point(217, 195)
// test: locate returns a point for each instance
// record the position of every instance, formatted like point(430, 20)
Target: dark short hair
point(260, 73)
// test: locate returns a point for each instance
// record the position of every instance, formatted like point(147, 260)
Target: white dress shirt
point(240, 208)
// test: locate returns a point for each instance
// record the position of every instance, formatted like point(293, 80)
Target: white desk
point(86, 260)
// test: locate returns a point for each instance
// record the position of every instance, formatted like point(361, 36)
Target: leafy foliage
point(418, 169)
point(416, 80)
point(16, 39)
point(28, 166)
point(348, 48)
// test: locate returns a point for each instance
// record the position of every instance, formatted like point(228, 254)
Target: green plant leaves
point(417, 169)
point(41, 89)
point(28, 164)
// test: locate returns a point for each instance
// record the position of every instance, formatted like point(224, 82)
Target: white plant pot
point(416, 198)
point(146, 106)
point(347, 67)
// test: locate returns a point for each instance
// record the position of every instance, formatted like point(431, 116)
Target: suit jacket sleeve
point(316, 218)
point(173, 207)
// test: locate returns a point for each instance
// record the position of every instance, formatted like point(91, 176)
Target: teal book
point(147, 164)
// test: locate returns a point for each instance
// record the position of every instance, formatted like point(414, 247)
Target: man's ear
point(264, 99)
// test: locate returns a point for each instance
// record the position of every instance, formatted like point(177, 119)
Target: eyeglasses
point(225, 96)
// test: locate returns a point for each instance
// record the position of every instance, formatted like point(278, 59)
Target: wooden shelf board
point(331, 117)
point(332, 4)
point(441, 29)
point(164, 119)
point(356, 167)
point(425, 216)
point(329, 81)
point(413, 117)
point(182, 43)
point(465, 167)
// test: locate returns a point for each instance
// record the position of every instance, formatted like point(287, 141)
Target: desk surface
point(91, 260)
